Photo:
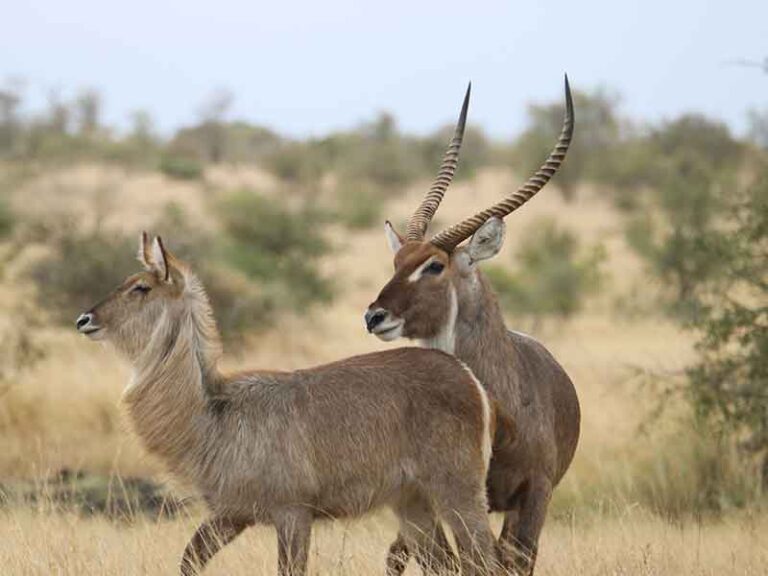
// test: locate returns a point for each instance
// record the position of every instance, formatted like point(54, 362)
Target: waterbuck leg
point(436, 554)
point(462, 503)
point(294, 530)
point(508, 545)
point(474, 539)
point(210, 537)
point(420, 534)
point(533, 512)
point(397, 556)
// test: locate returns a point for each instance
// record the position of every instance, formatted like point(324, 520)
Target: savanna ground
point(621, 509)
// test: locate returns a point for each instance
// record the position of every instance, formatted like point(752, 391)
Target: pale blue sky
point(307, 67)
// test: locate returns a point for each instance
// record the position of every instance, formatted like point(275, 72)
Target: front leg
point(211, 536)
point(294, 529)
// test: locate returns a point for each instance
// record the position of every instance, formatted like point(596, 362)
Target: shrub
point(597, 132)
point(84, 267)
point(299, 162)
point(758, 127)
point(80, 269)
point(6, 219)
point(705, 239)
point(728, 384)
point(180, 167)
point(554, 275)
point(359, 204)
point(676, 233)
point(376, 153)
point(691, 146)
point(708, 140)
point(10, 122)
point(264, 263)
point(627, 171)
point(239, 305)
point(276, 246)
point(19, 350)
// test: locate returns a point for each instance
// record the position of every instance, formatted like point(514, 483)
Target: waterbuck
point(408, 428)
point(439, 296)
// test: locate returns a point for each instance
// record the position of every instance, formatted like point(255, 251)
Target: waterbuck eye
point(140, 289)
point(434, 268)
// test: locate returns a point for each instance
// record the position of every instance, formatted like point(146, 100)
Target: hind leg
point(508, 546)
point(399, 554)
point(210, 537)
point(474, 538)
point(420, 534)
point(463, 505)
point(533, 512)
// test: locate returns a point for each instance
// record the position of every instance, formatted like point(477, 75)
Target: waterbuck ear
point(160, 259)
point(487, 241)
point(394, 239)
point(144, 254)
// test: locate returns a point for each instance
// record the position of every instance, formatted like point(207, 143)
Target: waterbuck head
point(130, 314)
point(432, 276)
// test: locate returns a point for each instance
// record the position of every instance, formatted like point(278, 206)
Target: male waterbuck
point(408, 428)
point(439, 296)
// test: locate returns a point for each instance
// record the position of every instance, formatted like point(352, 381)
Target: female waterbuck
point(439, 296)
point(408, 428)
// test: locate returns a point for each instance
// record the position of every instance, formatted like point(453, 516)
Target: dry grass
point(33, 543)
point(64, 411)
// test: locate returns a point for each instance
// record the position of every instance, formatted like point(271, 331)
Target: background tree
point(598, 130)
point(693, 168)
point(758, 127)
point(728, 384)
point(10, 124)
point(58, 114)
point(212, 116)
point(87, 107)
point(553, 277)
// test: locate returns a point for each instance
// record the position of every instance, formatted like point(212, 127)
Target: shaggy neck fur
point(174, 379)
point(481, 339)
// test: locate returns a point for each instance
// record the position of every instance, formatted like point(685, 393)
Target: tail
point(505, 432)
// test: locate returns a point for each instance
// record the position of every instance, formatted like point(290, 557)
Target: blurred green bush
point(277, 246)
point(80, 268)
point(359, 204)
point(264, 262)
point(597, 131)
point(6, 218)
point(181, 168)
point(553, 277)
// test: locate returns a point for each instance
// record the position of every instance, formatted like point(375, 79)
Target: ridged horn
point(455, 235)
point(417, 225)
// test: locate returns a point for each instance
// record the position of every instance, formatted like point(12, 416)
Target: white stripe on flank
point(487, 440)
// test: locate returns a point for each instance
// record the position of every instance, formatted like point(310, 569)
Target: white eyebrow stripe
point(416, 274)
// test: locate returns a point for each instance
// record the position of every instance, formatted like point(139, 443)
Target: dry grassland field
point(614, 513)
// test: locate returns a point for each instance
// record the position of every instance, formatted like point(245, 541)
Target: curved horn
point(417, 225)
point(455, 235)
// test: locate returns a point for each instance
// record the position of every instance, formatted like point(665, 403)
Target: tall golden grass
point(633, 543)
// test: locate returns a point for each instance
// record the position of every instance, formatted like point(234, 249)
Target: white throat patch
point(445, 339)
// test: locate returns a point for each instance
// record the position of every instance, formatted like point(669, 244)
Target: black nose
point(373, 318)
point(83, 320)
